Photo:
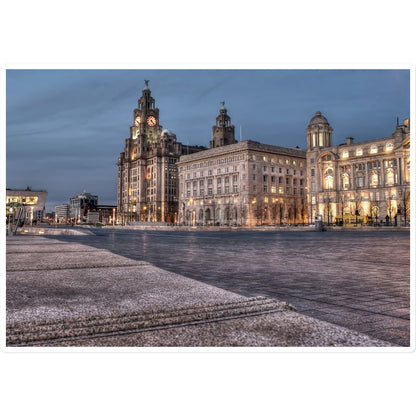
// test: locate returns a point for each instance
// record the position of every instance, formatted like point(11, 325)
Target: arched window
point(345, 181)
point(329, 179)
point(389, 147)
point(373, 149)
point(374, 179)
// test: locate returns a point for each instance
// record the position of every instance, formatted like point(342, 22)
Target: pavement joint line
point(51, 252)
point(138, 330)
point(98, 266)
point(160, 313)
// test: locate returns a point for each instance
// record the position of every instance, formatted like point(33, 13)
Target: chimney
point(350, 140)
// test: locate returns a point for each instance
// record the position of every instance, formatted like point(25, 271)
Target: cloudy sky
point(66, 128)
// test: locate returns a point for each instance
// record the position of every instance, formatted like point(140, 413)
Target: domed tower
point(223, 131)
point(319, 132)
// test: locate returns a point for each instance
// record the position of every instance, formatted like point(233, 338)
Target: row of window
point(372, 150)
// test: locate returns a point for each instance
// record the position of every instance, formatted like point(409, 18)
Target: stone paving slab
point(282, 329)
point(63, 260)
point(47, 248)
point(68, 293)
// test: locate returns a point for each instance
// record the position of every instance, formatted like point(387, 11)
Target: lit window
point(345, 154)
point(389, 147)
point(359, 152)
point(373, 149)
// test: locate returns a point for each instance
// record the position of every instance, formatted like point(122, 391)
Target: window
point(374, 179)
point(329, 179)
point(359, 152)
point(312, 172)
point(373, 149)
point(345, 154)
point(389, 147)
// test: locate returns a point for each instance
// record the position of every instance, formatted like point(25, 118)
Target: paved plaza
point(70, 294)
point(356, 279)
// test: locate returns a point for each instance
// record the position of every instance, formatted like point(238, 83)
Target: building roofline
point(245, 145)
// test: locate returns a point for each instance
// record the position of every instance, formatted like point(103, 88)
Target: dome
point(318, 118)
point(166, 131)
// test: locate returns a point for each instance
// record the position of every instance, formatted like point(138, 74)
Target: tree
point(356, 205)
point(404, 207)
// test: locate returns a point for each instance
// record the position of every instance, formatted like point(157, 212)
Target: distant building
point(32, 201)
point(148, 184)
point(93, 217)
point(81, 204)
point(107, 214)
point(369, 179)
point(62, 213)
point(246, 183)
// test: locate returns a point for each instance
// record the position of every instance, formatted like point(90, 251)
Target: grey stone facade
point(243, 184)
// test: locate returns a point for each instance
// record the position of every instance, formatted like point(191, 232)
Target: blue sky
point(66, 128)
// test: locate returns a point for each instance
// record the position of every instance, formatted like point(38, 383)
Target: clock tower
point(148, 181)
point(223, 131)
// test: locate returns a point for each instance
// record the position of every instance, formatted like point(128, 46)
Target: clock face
point(137, 121)
point(151, 121)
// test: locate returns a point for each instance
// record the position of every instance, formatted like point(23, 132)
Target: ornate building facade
point(370, 180)
point(147, 184)
point(246, 183)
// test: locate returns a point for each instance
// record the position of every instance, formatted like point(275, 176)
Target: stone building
point(366, 182)
point(242, 183)
point(147, 185)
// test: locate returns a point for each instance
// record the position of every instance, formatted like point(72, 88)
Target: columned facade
point(369, 180)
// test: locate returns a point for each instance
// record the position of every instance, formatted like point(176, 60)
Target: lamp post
point(10, 214)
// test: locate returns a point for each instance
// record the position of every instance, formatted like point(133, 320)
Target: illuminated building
point(370, 179)
point(62, 213)
point(80, 205)
point(147, 186)
point(32, 201)
point(246, 183)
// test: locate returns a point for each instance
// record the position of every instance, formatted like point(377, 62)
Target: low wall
point(52, 231)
